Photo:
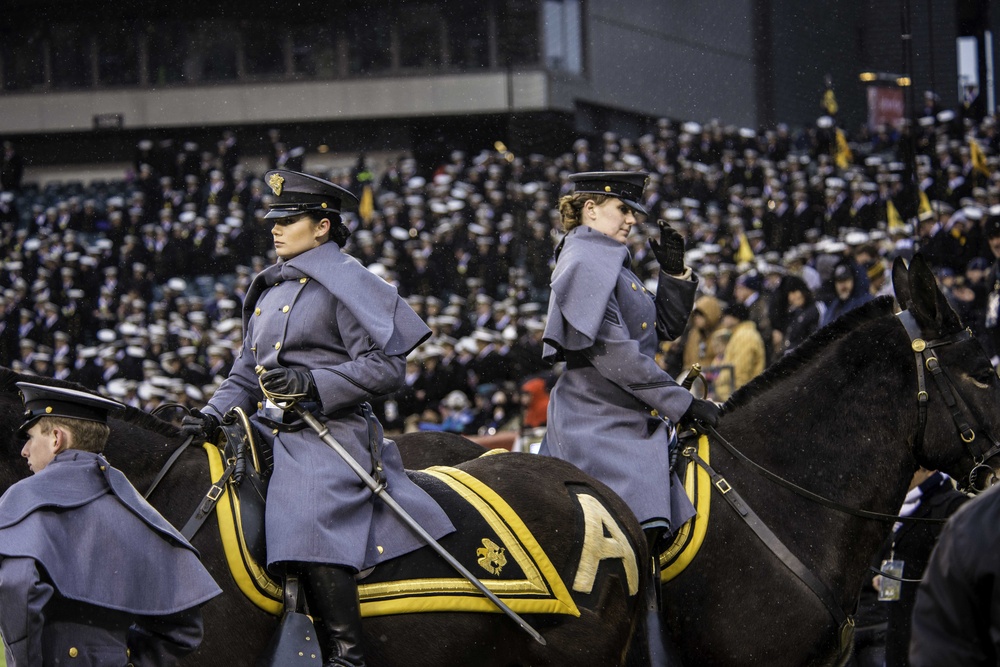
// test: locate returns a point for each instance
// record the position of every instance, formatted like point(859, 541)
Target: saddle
point(240, 510)
point(496, 543)
point(698, 487)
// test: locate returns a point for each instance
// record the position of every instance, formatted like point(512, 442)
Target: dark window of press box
point(118, 53)
point(23, 49)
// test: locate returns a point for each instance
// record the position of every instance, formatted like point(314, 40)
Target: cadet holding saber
point(336, 335)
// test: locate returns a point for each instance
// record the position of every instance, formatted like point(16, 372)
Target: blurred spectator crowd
point(134, 287)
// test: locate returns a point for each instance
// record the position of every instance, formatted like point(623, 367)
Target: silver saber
point(379, 490)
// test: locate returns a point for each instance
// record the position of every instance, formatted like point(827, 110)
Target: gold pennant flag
point(842, 152)
point(744, 253)
point(978, 158)
point(925, 204)
point(366, 208)
point(829, 102)
point(895, 221)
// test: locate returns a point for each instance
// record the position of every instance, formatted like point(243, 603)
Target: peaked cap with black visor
point(624, 185)
point(41, 401)
point(296, 193)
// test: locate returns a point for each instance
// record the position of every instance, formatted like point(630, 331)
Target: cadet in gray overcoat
point(90, 573)
point(611, 412)
point(320, 326)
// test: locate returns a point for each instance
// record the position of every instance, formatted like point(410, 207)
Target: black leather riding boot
point(332, 594)
point(656, 647)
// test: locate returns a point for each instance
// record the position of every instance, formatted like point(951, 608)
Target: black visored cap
point(625, 185)
point(41, 401)
point(296, 193)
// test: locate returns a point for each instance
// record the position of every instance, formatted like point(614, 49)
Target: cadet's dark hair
point(571, 205)
point(339, 233)
point(89, 436)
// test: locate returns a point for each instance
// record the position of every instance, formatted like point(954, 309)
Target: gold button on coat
point(73, 652)
point(256, 311)
point(634, 287)
point(277, 345)
point(654, 413)
point(303, 280)
point(285, 309)
point(644, 325)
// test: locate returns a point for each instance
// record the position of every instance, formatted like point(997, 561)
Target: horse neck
point(840, 423)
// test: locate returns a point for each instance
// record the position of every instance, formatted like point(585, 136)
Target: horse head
point(958, 390)
point(12, 466)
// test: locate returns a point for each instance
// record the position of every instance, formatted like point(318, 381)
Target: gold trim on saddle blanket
point(687, 542)
point(542, 591)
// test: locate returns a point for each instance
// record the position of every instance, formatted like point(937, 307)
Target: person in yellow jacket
point(744, 358)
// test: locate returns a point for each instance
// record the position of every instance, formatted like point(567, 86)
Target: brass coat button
point(654, 413)
point(303, 280)
point(277, 345)
point(256, 311)
point(634, 287)
point(285, 309)
point(73, 652)
point(644, 325)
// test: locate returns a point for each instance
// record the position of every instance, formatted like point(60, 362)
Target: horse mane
point(809, 349)
point(130, 415)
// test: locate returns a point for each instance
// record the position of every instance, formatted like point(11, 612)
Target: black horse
point(572, 516)
point(841, 417)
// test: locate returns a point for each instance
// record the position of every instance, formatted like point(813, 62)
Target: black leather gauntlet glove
point(669, 252)
point(200, 425)
point(703, 412)
point(289, 382)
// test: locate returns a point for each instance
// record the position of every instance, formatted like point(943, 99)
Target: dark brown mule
point(840, 417)
point(573, 517)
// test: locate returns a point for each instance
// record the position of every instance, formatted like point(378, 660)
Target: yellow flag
point(367, 205)
point(829, 102)
point(978, 158)
point(895, 221)
point(842, 153)
point(744, 253)
point(925, 204)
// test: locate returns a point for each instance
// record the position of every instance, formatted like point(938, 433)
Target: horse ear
point(901, 283)
point(927, 303)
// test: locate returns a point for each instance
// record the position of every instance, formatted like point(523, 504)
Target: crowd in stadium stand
point(134, 287)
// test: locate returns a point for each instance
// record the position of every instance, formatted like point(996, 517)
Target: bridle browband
point(955, 402)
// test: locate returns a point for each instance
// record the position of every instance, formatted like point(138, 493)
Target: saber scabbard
point(379, 490)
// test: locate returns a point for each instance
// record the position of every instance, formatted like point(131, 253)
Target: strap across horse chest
point(778, 548)
point(210, 499)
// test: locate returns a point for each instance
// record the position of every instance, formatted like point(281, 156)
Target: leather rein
point(924, 359)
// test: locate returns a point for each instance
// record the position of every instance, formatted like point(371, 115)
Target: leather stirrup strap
point(207, 504)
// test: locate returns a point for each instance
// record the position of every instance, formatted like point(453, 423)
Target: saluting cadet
point(90, 574)
point(326, 329)
point(611, 413)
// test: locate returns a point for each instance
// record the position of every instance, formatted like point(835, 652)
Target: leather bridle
point(979, 441)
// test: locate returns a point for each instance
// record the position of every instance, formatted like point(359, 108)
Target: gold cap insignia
point(276, 181)
point(607, 188)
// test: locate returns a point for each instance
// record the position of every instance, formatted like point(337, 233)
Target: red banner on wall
point(885, 106)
